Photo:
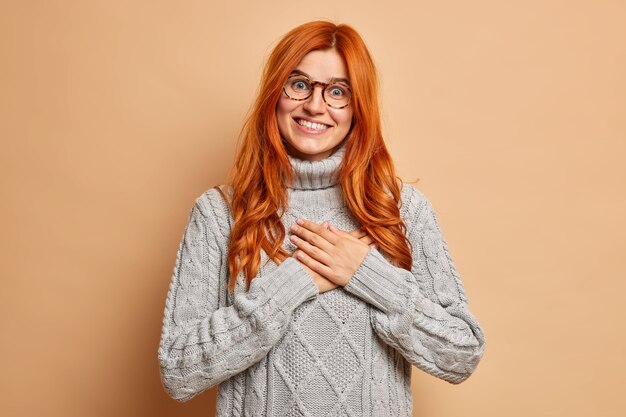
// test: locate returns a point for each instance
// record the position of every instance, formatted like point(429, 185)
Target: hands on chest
point(331, 255)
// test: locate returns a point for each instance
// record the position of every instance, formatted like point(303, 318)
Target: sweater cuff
point(377, 282)
point(290, 286)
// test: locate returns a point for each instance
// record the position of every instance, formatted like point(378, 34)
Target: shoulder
point(413, 201)
point(416, 210)
point(212, 207)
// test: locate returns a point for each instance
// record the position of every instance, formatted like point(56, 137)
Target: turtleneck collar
point(314, 175)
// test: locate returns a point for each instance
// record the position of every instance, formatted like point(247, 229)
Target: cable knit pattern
point(281, 348)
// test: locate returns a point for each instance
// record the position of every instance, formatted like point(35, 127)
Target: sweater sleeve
point(423, 313)
point(204, 341)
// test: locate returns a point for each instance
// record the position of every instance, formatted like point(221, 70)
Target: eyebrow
point(332, 80)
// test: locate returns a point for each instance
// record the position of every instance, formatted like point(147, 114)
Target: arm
point(423, 313)
point(203, 342)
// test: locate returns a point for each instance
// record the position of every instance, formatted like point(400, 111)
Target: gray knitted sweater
point(281, 348)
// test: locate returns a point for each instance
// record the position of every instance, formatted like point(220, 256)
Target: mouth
point(310, 125)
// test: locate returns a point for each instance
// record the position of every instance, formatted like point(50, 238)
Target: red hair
point(261, 169)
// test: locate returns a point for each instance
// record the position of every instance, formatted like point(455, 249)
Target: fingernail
point(293, 228)
point(300, 222)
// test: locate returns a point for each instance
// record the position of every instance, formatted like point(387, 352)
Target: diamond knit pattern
point(323, 354)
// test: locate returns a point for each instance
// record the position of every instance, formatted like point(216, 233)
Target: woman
point(311, 283)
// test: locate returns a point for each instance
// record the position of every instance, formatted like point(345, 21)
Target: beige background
point(115, 115)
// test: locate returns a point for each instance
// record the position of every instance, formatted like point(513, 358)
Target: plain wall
point(116, 115)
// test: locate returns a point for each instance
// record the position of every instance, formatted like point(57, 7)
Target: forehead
point(322, 65)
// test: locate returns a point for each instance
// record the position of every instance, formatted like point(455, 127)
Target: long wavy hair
point(261, 170)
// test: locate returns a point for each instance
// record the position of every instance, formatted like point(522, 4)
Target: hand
point(361, 235)
point(331, 252)
point(322, 283)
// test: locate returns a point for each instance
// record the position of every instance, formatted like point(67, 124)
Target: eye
point(336, 91)
point(300, 84)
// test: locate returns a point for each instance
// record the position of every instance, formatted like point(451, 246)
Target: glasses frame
point(313, 84)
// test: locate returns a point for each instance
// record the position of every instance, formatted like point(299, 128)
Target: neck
point(314, 175)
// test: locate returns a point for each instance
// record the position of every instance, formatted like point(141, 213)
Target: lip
point(306, 129)
point(310, 120)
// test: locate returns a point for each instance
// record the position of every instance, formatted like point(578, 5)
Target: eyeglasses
point(336, 95)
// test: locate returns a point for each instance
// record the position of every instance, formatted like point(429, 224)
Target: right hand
point(323, 284)
point(363, 236)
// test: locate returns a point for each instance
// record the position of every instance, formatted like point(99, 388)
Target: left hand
point(331, 252)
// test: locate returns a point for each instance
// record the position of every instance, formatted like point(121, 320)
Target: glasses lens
point(298, 87)
point(337, 95)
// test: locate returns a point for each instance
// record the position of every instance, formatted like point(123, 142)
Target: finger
point(319, 229)
point(311, 237)
point(314, 265)
point(358, 233)
point(342, 233)
point(311, 250)
point(366, 239)
point(307, 229)
point(339, 231)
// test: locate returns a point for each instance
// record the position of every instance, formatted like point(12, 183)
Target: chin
point(311, 152)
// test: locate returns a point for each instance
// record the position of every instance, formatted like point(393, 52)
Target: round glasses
point(336, 95)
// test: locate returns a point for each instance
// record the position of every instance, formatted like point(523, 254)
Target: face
point(310, 129)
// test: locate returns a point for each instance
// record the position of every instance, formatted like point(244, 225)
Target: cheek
point(344, 120)
point(285, 107)
point(282, 115)
point(281, 109)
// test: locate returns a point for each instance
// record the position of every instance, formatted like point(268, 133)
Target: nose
point(315, 103)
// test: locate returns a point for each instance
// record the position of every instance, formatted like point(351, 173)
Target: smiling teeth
point(316, 126)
